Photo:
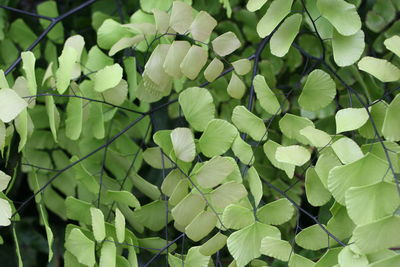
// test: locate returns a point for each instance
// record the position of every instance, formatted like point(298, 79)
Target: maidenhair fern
point(202, 133)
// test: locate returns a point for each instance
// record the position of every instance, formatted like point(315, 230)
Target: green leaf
point(347, 150)
point(227, 194)
point(155, 83)
point(285, 35)
point(201, 225)
point(171, 181)
point(276, 248)
point(324, 164)
point(342, 15)
point(318, 91)
point(188, 209)
point(99, 230)
point(174, 58)
point(378, 235)
point(132, 257)
point(291, 125)
point(255, 185)
point(276, 12)
point(347, 257)
point(162, 19)
point(124, 43)
point(17, 248)
point(123, 197)
point(66, 63)
point(4, 180)
point(377, 149)
point(117, 94)
point(119, 225)
point(390, 261)
point(249, 123)
point(350, 119)
point(316, 137)
point(49, 8)
point(78, 43)
point(225, 44)
point(49, 233)
point(254, 5)
point(28, 65)
point(110, 32)
point(183, 144)
point(237, 217)
point(155, 243)
point(347, 49)
point(243, 151)
point(330, 258)
point(368, 170)
point(174, 261)
point(313, 238)
point(78, 210)
point(156, 159)
point(202, 26)
point(391, 129)
point(74, 121)
point(217, 138)
point(149, 5)
point(152, 215)
point(132, 76)
point(378, 112)
point(181, 17)
point(297, 260)
point(242, 66)
point(270, 148)
point(213, 70)
point(393, 44)
point(214, 244)
point(195, 258)
point(2, 136)
point(198, 113)
point(24, 127)
point(81, 247)
point(276, 212)
point(295, 155)
point(22, 34)
point(193, 62)
point(340, 224)
point(3, 80)
point(180, 191)
point(236, 87)
point(96, 60)
point(11, 105)
point(381, 199)
point(381, 69)
point(108, 254)
point(53, 114)
point(214, 171)
point(5, 212)
point(317, 194)
point(267, 98)
point(107, 78)
point(251, 236)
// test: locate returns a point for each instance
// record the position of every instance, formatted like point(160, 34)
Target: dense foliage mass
point(200, 133)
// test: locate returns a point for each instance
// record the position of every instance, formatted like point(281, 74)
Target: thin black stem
point(257, 57)
point(88, 99)
point(302, 210)
point(163, 249)
point(115, 137)
point(26, 13)
point(53, 23)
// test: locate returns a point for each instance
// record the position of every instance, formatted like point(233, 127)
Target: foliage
point(203, 133)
